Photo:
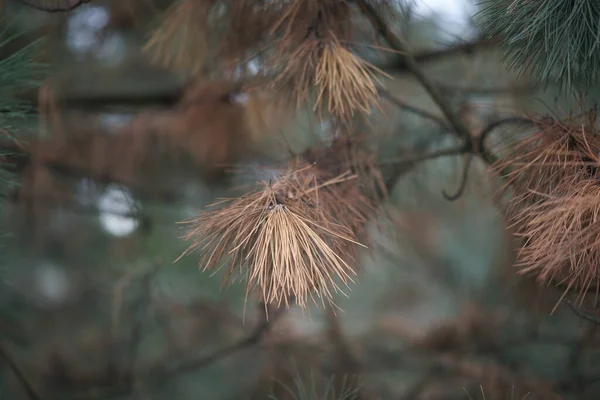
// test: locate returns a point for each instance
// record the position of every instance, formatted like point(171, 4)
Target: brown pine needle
point(283, 240)
point(555, 209)
point(310, 34)
point(347, 82)
point(180, 42)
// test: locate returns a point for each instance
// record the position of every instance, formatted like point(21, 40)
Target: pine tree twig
point(397, 44)
point(160, 375)
point(479, 144)
point(168, 97)
point(141, 306)
point(524, 88)
point(463, 180)
point(248, 341)
point(468, 48)
point(471, 148)
point(581, 314)
point(19, 375)
point(55, 9)
point(348, 366)
point(496, 124)
point(403, 165)
point(415, 110)
point(416, 390)
point(20, 156)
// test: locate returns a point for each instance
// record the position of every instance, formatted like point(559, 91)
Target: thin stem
point(55, 9)
point(397, 44)
point(582, 314)
point(415, 110)
point(12, 365)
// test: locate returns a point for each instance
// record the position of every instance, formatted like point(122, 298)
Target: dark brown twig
point(248, 341)
point(403, 165)
point(55, 9)
point(415, 110)
point(581, 314)
point(496, 124)
point(397, 44)
point(12, 365)
point(463, 180)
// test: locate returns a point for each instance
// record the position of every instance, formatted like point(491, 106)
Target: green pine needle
point(18, 72)
point(550, 40)
point(308, 391)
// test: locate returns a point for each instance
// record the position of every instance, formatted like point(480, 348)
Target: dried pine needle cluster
point(312, 47)
point(180, 41)
point(301, 44)
point(361, 195)
point(556, 207)
point(283, 240)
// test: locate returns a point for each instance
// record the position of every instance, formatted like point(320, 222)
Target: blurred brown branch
point(396, 43)
point(54, 6)
point(18, 373)
point(581, 314)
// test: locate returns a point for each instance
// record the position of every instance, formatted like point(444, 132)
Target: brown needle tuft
point(317, 61)
point(556, 204)
point(281, 239)
point(180, 42)
point(356, 201)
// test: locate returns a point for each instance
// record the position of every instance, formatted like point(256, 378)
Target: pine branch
point(403, 165)
point(252, 339)
point(415, 110)
point(550, 40)
point(397, 44)
point(54, 8)
point(16, 370)
point(162, 374)
point(399, 64)
point(582, 314)
point(169, 97)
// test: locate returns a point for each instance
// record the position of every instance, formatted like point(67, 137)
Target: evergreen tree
point(255, 68)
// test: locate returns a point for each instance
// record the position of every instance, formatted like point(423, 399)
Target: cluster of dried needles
point(282, 239)
point(317, 61)
point(179, 42)
point(556, 207)
point(347, 82)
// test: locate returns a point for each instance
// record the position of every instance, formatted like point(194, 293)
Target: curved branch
point(496, 124)
point(415, 110)
point(19, 375)
point(55, 9)
point(581, 314)
point(397, 44)
point(463, 180)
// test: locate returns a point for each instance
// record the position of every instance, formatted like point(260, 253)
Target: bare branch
point(415, 110)
point(71, 5)
point(396, 43)
point(463, 180)
point(403, 165)
point(581, 314)
point(14, 367)
point(496, 124)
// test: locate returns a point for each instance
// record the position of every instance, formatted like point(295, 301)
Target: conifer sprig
point(556, 202)
point(549, 40)
point(316, 60)
point(282, 239)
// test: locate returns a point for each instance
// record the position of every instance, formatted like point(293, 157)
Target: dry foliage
point(180, 41)
point(556, 203)
point(313, 47)
point(215, 124)
point(283, 239)
point(302, 44)
point(361, 196)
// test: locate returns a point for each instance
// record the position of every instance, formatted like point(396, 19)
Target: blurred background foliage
point(93, 307)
